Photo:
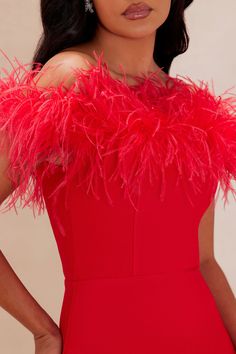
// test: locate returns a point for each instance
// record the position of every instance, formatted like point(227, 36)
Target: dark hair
point(66, 24)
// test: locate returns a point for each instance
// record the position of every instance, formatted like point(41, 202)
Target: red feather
point(145, 127)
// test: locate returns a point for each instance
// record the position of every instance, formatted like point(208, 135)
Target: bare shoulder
point(60, 68)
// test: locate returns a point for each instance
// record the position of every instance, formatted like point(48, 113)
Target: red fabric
point(125, 173)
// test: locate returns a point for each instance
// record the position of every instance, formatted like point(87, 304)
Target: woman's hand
point(48, 343)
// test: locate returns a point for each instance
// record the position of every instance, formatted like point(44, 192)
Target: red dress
point(125, 174)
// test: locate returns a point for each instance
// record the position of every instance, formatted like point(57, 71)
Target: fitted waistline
point(177, 272)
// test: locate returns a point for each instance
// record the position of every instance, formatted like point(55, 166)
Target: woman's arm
point(16, 299)
point(214, 275)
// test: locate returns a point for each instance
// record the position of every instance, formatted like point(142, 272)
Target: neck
point(134, 54)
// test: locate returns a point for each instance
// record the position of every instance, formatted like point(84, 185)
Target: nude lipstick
point(137, 11)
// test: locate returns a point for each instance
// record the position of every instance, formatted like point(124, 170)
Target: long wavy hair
point(65, 24)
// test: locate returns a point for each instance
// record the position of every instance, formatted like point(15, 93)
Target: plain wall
point(28, 243)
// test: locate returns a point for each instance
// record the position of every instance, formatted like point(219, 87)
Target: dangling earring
point(88, 6)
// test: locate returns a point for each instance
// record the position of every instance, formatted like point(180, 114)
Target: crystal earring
point(88, 6)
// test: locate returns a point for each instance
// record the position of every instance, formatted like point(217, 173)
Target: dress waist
point(161, 274)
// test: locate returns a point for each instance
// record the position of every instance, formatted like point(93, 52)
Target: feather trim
point(145, 127)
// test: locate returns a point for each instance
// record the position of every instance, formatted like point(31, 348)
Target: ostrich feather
point(144, 127)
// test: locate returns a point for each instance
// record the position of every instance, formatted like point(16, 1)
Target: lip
point(141, 7)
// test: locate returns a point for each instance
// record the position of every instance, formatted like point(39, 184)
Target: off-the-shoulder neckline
point(101, 64)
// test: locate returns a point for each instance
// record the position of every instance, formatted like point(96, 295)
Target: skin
point(114, 34)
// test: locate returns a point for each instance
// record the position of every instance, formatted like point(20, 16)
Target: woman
point(127, 161)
